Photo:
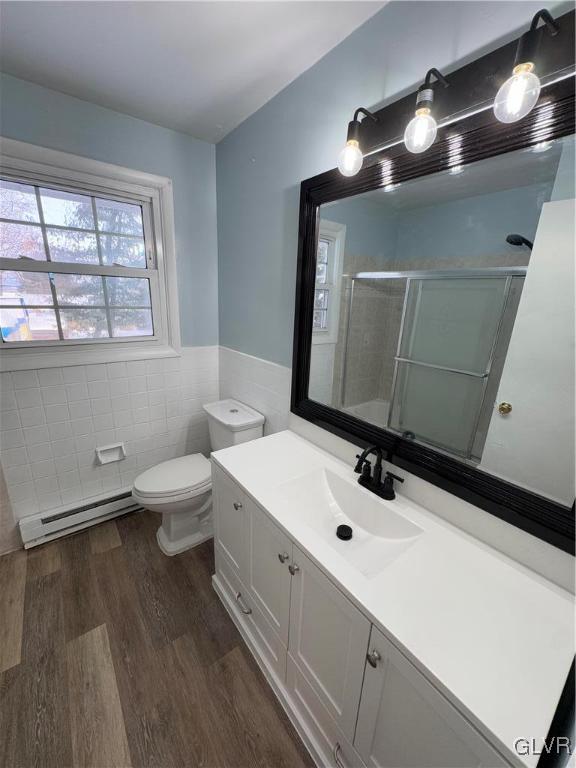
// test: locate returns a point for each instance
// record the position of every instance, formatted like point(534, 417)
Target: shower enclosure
point(423, 347)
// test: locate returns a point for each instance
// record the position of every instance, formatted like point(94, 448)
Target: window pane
point(124, 218)
point(75, 247)
point(18, 201)
point(320, 299)
point(132, 322)
point(67, 209)
point(320, 273)
point(79, 289)
point(323, 251)
point(21, 241)
point(128, 291)
point(84, 323)
point(320, 319)
point(123, 251)
point(25, 288)
point(21, 324)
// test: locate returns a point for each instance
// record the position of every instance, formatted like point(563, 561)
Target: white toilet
point(181, 489)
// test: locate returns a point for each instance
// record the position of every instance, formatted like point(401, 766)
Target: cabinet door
point(405, 722)
point(328, 641)
point(230, 521)
point(269, 578)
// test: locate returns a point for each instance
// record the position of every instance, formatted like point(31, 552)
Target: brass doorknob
point(504, 409)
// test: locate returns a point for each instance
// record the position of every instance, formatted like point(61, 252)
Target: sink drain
point(344, 532)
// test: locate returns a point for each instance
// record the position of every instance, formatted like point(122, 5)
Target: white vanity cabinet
point(230, 510)
point(270, 557)
point(405, 721)
point(328, 641)
point(355, 699)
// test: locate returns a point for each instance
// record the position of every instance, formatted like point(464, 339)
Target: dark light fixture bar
point(473, 86)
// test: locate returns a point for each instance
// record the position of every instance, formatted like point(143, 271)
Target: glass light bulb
point(420, 132)
point(350, 159)
point(518, 95)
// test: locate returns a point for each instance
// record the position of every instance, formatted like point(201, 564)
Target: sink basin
point(323, 500)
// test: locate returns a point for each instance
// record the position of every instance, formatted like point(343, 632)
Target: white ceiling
point(198, 67)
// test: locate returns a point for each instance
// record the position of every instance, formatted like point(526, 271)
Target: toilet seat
point(175, 480)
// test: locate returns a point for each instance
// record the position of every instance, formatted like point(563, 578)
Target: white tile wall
point(52, 420)
point(259, 383)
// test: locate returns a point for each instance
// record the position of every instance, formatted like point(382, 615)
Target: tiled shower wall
point(52, 420)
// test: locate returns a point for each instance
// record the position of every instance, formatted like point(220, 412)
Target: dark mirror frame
point(481, 137)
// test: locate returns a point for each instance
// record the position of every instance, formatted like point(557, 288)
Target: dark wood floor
point(112, 654)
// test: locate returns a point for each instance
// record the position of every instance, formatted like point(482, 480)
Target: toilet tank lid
point(174, 476)
point(234, 415)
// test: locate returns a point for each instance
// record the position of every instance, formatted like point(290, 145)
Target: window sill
point(29, 359)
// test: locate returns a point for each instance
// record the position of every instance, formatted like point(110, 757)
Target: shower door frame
point(499, 273)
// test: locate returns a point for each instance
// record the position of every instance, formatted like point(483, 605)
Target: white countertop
point(497, 638)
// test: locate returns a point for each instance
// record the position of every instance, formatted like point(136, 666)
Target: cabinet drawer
point(267, 642)
point(331, 743)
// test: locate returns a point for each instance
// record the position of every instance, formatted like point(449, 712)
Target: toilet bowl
point(181, 489)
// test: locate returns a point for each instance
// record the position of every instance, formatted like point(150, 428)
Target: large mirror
point(444, 314)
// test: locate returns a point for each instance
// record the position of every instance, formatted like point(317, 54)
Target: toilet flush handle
point(237, 505)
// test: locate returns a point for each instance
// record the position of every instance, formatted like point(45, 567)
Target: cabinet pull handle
point(283, 557)
point(237, 505)
point(293, 568)
point(337, 751)
point(373, 657)
point(243, 608)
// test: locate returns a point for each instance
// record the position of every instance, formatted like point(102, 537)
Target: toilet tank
point(232, 423)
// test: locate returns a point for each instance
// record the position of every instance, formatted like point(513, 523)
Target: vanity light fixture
point(351, 158)
point(421, 130)
point(518, 95)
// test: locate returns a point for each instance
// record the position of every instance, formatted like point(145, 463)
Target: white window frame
point(336, 234)
point(40, 166)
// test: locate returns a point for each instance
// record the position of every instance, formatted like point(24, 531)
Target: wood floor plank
point(43, 629)
point(248, 709)
point(96, 718)
point(205, 742)
point(12, 591)
point(82, 605)
point(34, 715)
point(165, 601)
point(44, 560)
point(104, 537)
point(144, 686)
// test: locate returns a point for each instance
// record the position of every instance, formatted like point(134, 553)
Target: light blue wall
point(371, 230)
point(299, 133)
point(468, 232)
point(40, 116)
point(471, 231)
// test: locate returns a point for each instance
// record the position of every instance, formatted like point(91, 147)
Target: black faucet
point(373, 482)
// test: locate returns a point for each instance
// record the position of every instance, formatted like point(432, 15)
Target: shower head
point(519, 240)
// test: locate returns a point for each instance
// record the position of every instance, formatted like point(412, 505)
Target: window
point(82, 263)
point(328, 278)
point(74, 267)
point(322, 290)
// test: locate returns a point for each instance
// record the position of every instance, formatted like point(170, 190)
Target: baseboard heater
point(38, 529)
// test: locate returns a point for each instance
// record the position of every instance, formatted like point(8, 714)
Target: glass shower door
point(449, 332)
